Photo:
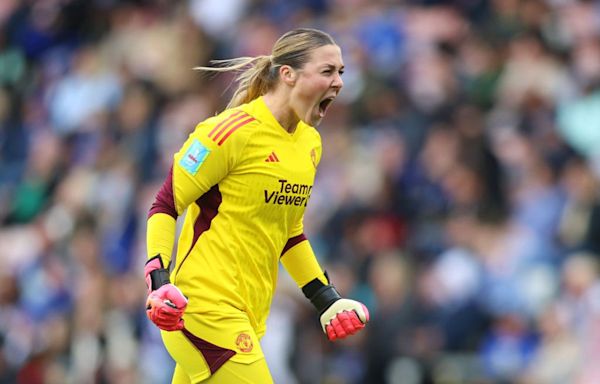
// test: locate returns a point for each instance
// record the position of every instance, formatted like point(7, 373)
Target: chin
point(314, 121)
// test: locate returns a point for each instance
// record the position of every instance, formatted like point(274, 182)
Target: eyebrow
point(332, 66)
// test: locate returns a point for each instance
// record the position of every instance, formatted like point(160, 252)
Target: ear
point(288, 74)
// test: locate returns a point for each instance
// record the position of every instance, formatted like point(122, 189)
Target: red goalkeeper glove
point(339, 317)
point(343, 318)
point(165, 304)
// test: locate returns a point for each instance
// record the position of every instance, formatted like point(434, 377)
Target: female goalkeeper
point(244, 178)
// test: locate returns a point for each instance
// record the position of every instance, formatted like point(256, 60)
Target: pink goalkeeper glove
point(343, 318)
point(165, 304)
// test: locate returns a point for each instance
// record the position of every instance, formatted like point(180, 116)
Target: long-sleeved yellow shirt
point(245, 182)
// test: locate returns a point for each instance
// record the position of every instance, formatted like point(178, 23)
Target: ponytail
point(256, 76)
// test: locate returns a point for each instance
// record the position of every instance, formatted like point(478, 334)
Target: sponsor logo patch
point(193, 158)
point(244, 342)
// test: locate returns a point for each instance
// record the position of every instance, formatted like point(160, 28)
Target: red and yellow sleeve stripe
point(225, 128)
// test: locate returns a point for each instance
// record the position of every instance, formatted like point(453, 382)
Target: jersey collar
point(264, 114)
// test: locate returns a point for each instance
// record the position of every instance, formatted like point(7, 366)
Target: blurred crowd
point(458, 194)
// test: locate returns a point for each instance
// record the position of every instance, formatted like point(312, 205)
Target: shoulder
point(230, 125)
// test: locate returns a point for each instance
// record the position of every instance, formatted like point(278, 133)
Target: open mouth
point(324, 105)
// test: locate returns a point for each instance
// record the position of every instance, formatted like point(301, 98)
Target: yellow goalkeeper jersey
point(245, 182)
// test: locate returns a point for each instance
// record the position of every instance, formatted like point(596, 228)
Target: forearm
point(302, 265)
point(165, 304)
point(160, 236)
point(161, 224)
point(339, 317)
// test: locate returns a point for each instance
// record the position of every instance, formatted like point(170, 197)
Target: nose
point(337, 83)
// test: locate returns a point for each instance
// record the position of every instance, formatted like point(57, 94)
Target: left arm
point(339, 317)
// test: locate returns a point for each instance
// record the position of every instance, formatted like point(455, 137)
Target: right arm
point(203, 161)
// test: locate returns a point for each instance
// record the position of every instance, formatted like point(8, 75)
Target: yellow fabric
point(232, 372)
point(220, 329)
point(264, 176)
point(161, 237)
point(302, 265)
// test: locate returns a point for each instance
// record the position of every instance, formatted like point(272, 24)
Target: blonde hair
point(258, 75)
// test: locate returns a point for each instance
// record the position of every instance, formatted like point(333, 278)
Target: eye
point(341, 71)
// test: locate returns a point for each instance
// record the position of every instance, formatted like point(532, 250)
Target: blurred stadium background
point(458, 195)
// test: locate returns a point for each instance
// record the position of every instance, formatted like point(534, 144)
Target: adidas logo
point(272, 158)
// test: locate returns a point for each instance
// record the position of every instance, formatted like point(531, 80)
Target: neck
point(278, 104)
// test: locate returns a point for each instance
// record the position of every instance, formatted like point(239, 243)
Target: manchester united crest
point(244, 342)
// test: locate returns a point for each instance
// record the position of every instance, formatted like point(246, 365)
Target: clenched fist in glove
point(165, 304)
point(339, 317)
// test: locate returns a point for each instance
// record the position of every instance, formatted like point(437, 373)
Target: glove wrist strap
point(159, 277)
point(321, 295)
point(324, 298)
